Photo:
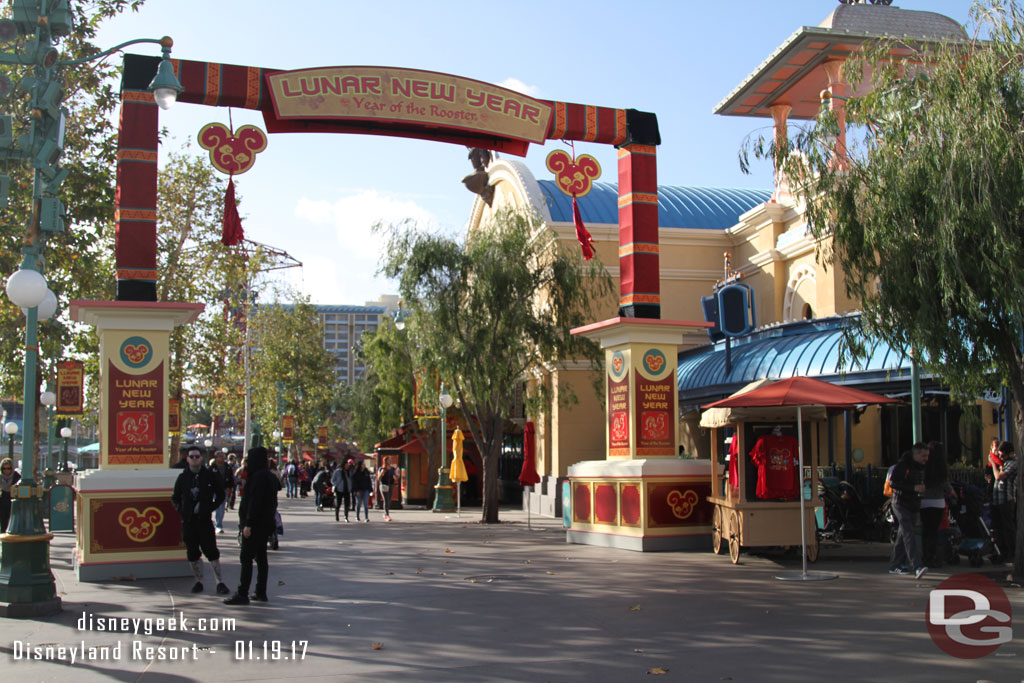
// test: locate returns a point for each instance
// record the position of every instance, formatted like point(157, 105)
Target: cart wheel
point(812, 551)
point(734, 537)
point(716, 530)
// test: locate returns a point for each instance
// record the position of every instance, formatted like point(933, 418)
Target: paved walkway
point(429, 597)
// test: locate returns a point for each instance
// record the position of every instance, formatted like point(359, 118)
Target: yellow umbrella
point(458, 467)
point(458, 473)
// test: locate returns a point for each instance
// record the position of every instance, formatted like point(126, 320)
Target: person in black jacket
point(256, 516)
point(907, 481)
point(198, 491)
point(362, 485)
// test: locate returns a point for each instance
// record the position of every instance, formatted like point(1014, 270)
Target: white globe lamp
point(26, 288)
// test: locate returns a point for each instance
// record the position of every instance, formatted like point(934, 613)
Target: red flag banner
point(232, 233)
point(173, 415)
point(582, 234)
point(70, 382)
point(288, 428)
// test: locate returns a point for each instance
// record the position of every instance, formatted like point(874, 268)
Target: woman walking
point(933, 504)
point(362, 484)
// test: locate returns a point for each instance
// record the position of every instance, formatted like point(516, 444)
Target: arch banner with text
point(391, 101)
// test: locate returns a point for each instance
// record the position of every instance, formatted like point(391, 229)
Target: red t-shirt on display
point(777, 459)
point(734, 456)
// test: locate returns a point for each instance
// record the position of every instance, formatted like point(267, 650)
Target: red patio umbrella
point(528, 476)
point(802, 392)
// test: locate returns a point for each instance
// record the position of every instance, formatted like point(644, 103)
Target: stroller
point(327, 497)
point(273, 542)
point(970, 512)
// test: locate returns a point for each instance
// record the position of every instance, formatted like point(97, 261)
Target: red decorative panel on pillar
point(606, 505)
point(679, 504)
point(630, 503)
point(133, 525)
point(639, 283)
point(581, 503)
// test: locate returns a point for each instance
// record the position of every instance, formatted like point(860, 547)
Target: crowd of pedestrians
point(923, 497)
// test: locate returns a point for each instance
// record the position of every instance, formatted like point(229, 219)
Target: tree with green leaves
point(489, 310)
point(924, 214)
point(195, 267)
point(79, 261)
point(291, 373)
point(383, 400)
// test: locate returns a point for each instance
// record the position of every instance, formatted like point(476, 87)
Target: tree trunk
point(490, 483)
point(490, 458)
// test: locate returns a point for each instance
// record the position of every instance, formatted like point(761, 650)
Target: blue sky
point(316, 195)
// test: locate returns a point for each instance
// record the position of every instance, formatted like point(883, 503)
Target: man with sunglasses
point(199, 491)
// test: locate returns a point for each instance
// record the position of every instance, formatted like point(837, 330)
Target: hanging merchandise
point(776, 457)
point(232, 152)
point(574, 176)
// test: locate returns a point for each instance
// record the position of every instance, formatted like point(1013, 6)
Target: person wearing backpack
point(907, 481)
point(291, 479)
point(320, 480)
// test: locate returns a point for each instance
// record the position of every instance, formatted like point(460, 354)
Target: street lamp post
point(65, 434)
point(48, 399)
point(278, 434)
point(443, 498)
point(27, 587)
point(208, 444)
point(11, 428)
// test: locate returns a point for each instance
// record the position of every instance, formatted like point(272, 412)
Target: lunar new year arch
point(386, 101)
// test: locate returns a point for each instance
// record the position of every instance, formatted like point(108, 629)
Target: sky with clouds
point(316, 196)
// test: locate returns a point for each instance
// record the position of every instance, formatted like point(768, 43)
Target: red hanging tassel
point(586, 241)
point(232, 233)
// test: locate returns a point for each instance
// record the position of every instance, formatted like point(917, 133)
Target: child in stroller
point(969, 511)
point(327, 497)
point(273, 540)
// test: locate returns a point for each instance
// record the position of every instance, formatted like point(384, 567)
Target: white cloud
point(342, 270)
point(519, 86)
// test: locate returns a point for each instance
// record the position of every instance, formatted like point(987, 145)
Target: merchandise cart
point(741, 520)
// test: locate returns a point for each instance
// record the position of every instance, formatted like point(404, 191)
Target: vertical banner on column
point(618, 402)
point(321, 434)
point(655, 402)
point(136, 395)
point(173, 416)
point(70, 382)
point(288, 428)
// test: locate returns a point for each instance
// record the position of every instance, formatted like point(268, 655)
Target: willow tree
point(925, 212)
point(490, 310)
point(384, 398)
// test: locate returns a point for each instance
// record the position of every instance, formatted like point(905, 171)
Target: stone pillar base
point(127, 526)
point(644, 505)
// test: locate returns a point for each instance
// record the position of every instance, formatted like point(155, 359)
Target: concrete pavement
point(430, 597)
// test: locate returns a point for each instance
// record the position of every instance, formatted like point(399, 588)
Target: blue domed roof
point(708, 208)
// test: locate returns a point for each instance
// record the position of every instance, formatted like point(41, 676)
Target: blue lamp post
point(27, 587)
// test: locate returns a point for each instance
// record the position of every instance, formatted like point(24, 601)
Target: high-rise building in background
point(343, 328)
